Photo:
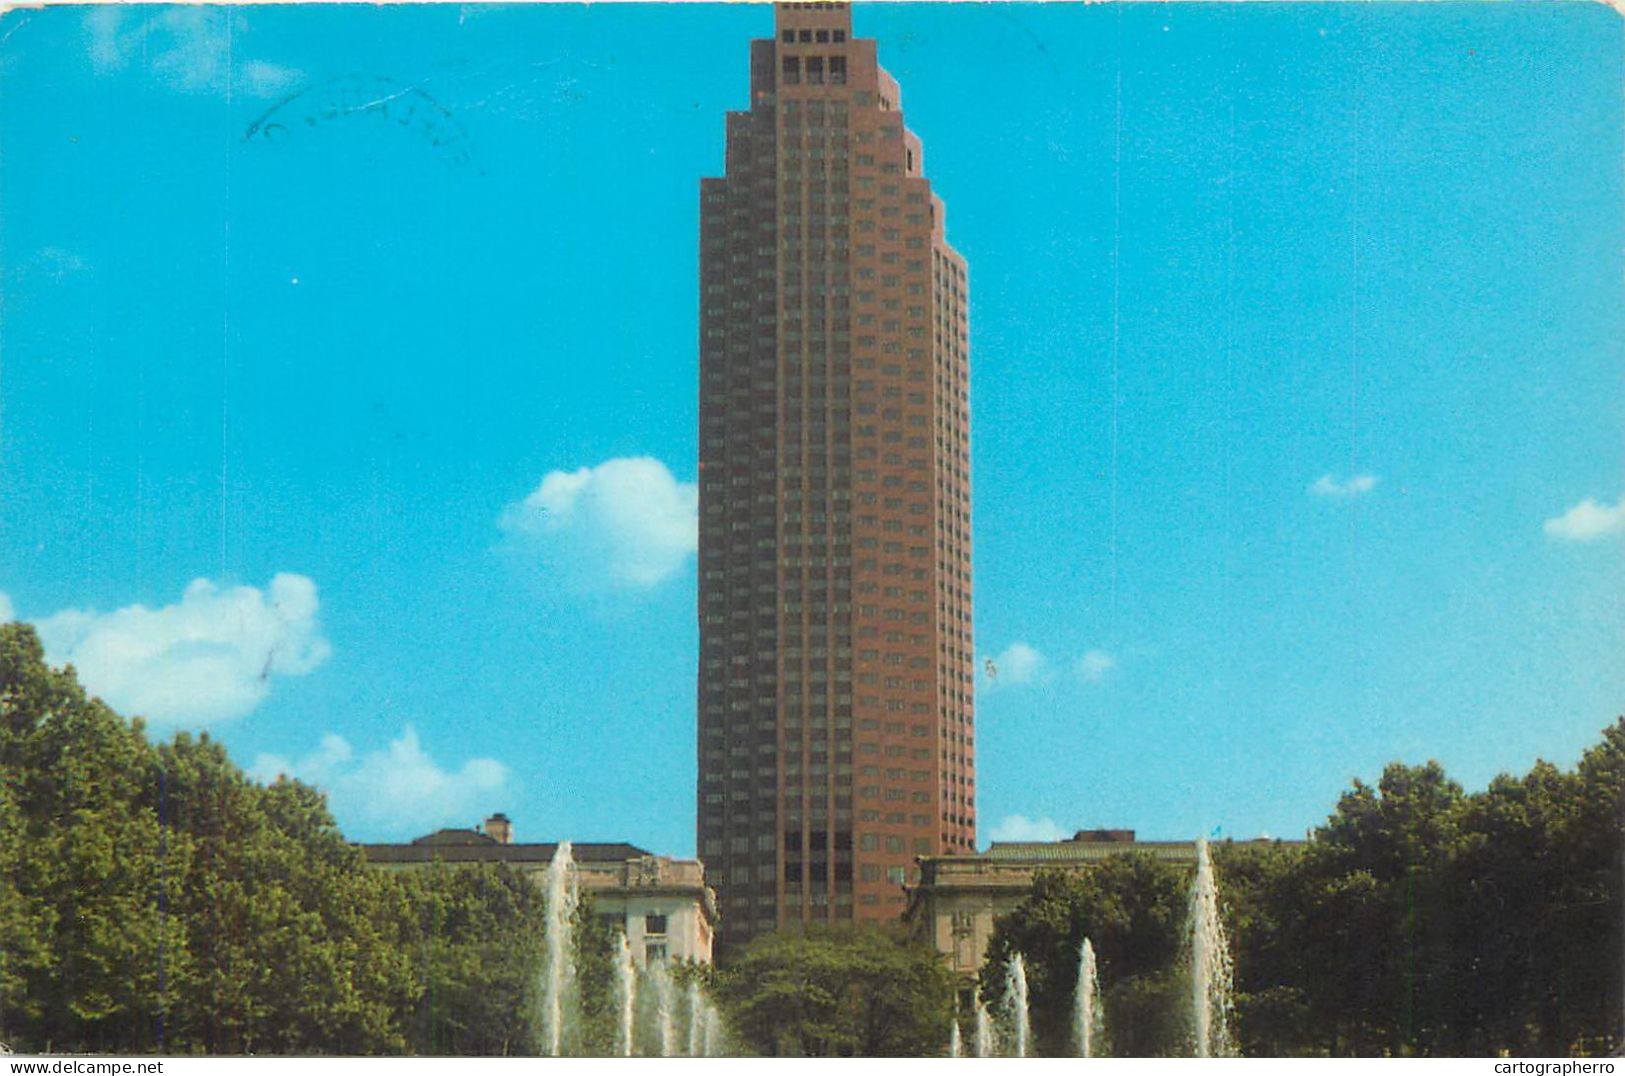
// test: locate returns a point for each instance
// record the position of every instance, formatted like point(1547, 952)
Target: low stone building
point(959, 897)
point(662, 903)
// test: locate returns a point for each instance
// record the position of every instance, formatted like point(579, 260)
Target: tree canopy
point(848, 993)
point(157, 900)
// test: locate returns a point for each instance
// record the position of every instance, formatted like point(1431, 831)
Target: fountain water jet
point(955, 1047)
point(1015, 1005)
point(696, 1019)
point(1211, 987)
point(984, 1030)
point(665, 1004)
point(626, 993)
point(712, 1044)
point(558, 954)
point(1088, 1018)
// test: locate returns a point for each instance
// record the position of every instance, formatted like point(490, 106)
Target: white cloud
point(264, 79)
point(210, 657)
point(1094, 664)
point(626, 523)
point(1587, 521)
point(187, 48)
point(1017, 827)
point(1328, 486)
point(1017, 664)
point(398, 789)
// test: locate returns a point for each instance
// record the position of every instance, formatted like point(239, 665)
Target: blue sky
point(348, 386)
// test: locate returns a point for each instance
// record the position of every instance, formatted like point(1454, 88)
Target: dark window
point(822, 36)
point(792, 872)
point(805, 35)
point(837, 70)
point(815, 70)
point(788, 35)
point(792, 840)
point(792, 70)
point(654, 924)
point(840, 35)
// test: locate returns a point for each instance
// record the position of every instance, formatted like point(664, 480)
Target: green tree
point(1261, 897)
point(1132, 909)
point(475, 941)
point(1586, 920)
point(857, 993)
point(1375, 935)
point(92, 966)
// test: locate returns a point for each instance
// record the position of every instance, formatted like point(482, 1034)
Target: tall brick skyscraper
point(835, 680)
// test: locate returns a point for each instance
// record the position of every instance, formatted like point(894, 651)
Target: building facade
point(663, 904)
point(836, 735)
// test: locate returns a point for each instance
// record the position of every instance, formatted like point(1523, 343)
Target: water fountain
point(696, 1020)
point(558, 954)
point(626, 994)
point(955, 1047)
point(1211, 988)
point(665, 1006)
point(984, 1030)
point(1088, 1016)
point(712, 1041)
point(1015, 1006)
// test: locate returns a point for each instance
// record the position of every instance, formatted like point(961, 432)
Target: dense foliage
point(1419, 921)
point(856, 993)
point(155, 899)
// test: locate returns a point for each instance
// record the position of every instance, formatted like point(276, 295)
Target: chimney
point(498, 828)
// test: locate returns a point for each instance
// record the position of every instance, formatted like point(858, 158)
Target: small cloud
point(263, 79)
point(209, 657)
point(398, 789)
point(626, 524)
point(1328, 486)
point(1017, 827)
point(7, 613)
point(1587, 521)
point(1017, 664)
point(1094, 664)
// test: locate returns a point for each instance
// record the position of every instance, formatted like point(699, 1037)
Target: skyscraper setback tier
point(835, 681)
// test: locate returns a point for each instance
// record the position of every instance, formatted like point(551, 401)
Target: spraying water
point(1211, 989)
point(665, 1005)
point(1088, 1019)
point(558, 961)
point(984, 1030)
point(955, 1047)
point(696, 1020)
point(712, 1044)
point(626, 993)
point(1015, 1005)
